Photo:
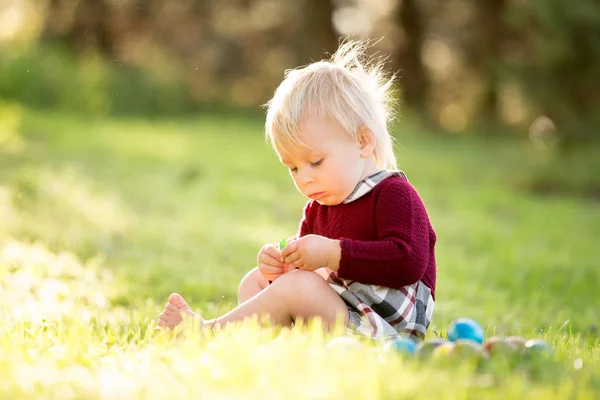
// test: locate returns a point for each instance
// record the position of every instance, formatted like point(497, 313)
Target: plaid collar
point(367, 184)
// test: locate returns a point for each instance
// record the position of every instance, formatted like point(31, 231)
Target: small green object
point(282, 244)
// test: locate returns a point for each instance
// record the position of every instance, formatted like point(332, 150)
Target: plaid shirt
point(378, 311)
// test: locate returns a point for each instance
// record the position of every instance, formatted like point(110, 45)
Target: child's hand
point(270, 262)
point(312, 252)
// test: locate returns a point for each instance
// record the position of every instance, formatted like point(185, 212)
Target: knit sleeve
point(304, 227)
point(400, 256)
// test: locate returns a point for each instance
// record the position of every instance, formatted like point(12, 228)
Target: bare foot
point(173, 313)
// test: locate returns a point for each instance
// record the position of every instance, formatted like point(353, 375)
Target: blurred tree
point(455, 58)
point(556, 58)
point(317, 34)
point(84, 24)
point(485, 57)
point(407, 60)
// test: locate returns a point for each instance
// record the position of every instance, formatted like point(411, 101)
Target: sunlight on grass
point(99, 360)
point(38, 286)
point(139, 139)
point(67, 191)
point(11, 116)
point(8, 216)
point(98, 228)
point(66, 341)
point(39, 200)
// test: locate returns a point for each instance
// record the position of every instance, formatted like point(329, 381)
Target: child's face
point(331, 164)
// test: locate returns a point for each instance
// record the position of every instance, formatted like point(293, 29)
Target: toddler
point(364, 251)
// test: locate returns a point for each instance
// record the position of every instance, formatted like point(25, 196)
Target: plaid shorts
point(381, 312)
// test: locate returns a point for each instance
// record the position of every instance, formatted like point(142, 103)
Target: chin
point(328, 202)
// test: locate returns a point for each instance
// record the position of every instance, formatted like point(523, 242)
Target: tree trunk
point(487, 56)
point(408, 62)
point(318, 35)
point(88, 28)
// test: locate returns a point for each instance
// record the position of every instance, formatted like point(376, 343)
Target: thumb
point(289, 248)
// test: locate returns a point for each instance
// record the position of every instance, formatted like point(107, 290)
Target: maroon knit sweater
point(385, 235)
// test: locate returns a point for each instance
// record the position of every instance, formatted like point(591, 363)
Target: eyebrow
point(309, 154)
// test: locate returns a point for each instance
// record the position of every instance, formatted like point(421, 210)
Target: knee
point(300, 284)
point(253, 277)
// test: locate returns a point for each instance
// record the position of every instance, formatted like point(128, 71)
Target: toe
point(178, 301)
point(171, 308)
point(162, 323)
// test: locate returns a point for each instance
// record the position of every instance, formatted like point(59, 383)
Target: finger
point(274, 252)
point(266, 249)
point(292, 258)
point(272, 258)
point(269, 269)
point(299, 264)
point(268, 260)
point(267, 276)
point(271, 276)
point(289, 249)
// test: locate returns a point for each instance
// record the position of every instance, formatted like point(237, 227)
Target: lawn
point(101, 219)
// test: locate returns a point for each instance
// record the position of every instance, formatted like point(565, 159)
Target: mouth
point(316, 196)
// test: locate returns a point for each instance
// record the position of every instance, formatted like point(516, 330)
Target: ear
point(365, 139)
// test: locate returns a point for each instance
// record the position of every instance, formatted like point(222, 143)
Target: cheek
point(295, 182)
point(339, 175)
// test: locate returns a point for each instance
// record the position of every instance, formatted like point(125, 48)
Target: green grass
point(102, 219)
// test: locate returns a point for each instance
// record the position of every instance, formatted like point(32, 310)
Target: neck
point(370, 169)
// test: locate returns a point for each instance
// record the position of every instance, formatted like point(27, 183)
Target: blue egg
point(537, 347)
point(402, 345)
point(465, 328)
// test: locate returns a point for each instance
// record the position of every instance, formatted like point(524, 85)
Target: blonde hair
point(349, 88)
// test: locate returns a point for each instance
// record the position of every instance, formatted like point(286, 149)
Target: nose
point(304, 177)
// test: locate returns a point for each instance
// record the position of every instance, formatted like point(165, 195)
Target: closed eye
point(317, 163)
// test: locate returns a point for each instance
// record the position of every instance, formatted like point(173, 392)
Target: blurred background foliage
point(478, 67)
point(131, 137)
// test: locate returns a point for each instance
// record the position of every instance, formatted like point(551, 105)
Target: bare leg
point(251, 284)
point(297, 294)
